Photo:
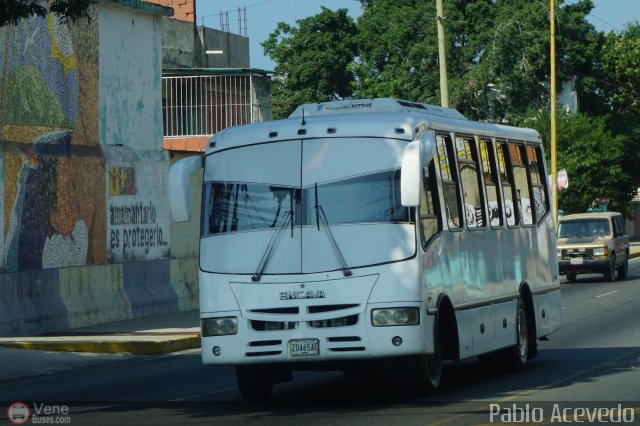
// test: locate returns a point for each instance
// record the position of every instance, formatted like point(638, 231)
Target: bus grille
point(264, 348)
point(335, 322)
point(273, 325)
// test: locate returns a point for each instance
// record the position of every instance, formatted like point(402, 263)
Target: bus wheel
point(253, 383)
point(430, 368)
point(520, 351)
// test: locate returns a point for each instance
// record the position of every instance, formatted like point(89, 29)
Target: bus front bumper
point(305, 343)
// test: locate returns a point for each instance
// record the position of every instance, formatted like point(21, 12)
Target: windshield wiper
point(288, 217)
point(320, 215)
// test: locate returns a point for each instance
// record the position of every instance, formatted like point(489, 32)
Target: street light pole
point(444, 89)
point(554, 165)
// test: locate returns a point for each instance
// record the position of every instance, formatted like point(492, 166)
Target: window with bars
point(202, 105)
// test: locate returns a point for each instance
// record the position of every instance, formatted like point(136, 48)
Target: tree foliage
point(621, 60)
point(312, 60)
point(11, 11)
point(398, 51)
point(592, 155)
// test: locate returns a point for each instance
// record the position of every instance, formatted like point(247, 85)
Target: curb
point(153, 347)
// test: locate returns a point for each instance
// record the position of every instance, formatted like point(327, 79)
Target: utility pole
point(554, 165)
point(444, 89)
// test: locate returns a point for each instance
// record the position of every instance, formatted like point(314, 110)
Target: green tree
point(621, 84)
point(621, 63)
point(593, 157)
point(497, 52)
point(11, 11)
point(313, 60)
point(398, 50)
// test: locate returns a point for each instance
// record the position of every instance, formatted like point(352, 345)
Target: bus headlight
point(395, 316)
point(219, 326)
point(600, 251)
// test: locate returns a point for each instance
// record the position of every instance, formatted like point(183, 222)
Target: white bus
point(371, 230)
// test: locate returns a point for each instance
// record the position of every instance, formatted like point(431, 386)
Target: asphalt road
point(593, 361)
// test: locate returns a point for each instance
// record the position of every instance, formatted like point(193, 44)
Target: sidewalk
point(634, 249)
point(142, 336)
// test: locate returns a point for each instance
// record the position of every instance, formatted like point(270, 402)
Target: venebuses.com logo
point(19, 413)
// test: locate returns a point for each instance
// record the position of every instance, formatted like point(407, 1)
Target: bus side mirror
point(410, 175)
point(179, 192)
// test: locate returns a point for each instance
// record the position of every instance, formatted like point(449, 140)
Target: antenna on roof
point(303, 122)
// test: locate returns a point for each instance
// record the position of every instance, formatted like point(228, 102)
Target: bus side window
point(470, 181)
point(504, 167)
point(538, 181)
point(494, 203)
point(446, 164)
point(430, 223)
point(521, 180)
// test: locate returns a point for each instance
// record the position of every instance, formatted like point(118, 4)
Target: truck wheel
point(610, 272)
point(623, 271)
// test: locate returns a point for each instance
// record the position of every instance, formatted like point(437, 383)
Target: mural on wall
point(138, 224)
point(53, 210)
point(122, 181)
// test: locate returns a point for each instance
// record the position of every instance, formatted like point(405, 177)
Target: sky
point(263, 16)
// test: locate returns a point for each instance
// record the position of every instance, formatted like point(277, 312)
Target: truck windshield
point(584, 228)
point(234, 207)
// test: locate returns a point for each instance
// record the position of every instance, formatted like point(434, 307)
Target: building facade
point(85, 219)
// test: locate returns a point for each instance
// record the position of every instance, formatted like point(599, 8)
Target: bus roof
point(374, 105)
point(385, 117)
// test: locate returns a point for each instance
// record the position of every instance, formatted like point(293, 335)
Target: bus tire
point(516, 356)
point(253, 382)
point(430, 366)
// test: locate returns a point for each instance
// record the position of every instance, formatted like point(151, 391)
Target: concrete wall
point(235, 49)
point(178, 44)
point(185, 245)
point(85, 233)
point(131, 135)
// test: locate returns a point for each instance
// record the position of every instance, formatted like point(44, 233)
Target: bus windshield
point(371, 198)
point(234, 207)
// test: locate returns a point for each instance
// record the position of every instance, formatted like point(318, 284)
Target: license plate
point(576, 261)
point(304, 347)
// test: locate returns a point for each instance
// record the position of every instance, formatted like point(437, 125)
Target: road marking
point(203, 394)
point(607, 294)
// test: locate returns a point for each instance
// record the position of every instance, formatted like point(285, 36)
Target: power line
point(604, 22)
point(598, 18)
point(233, 10)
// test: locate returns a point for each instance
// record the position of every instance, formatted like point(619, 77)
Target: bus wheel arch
point(445, 344)
point(448, 329)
